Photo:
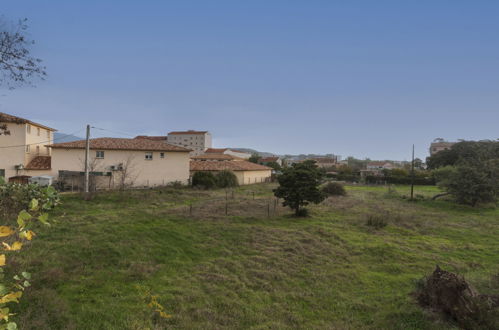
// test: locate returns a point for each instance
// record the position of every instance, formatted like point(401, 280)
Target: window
point(28, 129)
point(37, 150)
point(38, 131)
point(28, 148)
point(2, 173)
point(161, 155)
point(148, 155)
point(99, 154)
point(48, 134)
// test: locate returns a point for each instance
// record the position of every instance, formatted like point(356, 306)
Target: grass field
point(96, 266)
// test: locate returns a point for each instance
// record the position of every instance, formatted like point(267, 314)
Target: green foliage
point(13, 240)
point(334, 189)
point(15, 197)
point(465, 151)
point(299, 185)
point(255, 158)
point(226, 179)
point(471, 183)
point(469, 171)
point(274, 165)
point(204, 180)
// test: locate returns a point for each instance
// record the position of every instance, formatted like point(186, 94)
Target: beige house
point(23, 150)
point(438, 146)
point(123, 162)
point(197, 141)
point(246, 172)
point(227, 151)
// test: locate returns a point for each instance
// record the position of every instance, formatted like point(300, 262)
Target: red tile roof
point(215, 157)
point(152, 138)
point(325, 160)
point(121, 144)
point(6, 118)
point(197, 165)
point(40, 163)
point(187, 132)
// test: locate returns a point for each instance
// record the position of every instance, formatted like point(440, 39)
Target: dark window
point(99, 154)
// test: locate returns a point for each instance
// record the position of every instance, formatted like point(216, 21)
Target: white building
point(197, 141)
point(23, 150)
point(227, 151)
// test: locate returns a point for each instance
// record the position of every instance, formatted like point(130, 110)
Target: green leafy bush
point(334, 189)
point(15, 197)
point(226, 179)
point(204, 180)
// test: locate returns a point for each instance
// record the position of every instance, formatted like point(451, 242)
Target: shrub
point(302, 213)
point(226, 179)
point(377, 221)
point(204, 180)
point(334, 189)
point(299, 185)
point(15, 197)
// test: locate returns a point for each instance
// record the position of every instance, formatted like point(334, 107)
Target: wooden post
point(87, 161)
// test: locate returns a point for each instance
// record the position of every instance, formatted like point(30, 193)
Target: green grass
point(248, 270)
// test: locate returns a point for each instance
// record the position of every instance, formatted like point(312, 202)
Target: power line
point(32, 144)
point(114, 132)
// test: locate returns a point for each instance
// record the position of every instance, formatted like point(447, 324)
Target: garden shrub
point(226, 179)
point(204, 180)
point(15, 197)
point(334, 189)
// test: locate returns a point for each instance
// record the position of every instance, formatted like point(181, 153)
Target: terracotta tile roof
point(40, 163)
point(269, 159)
point(6, 118)
point(215, 157)
point(152, 138)
point(187, 132)
point(216, 150)
point(198, 165)
point(121, 144)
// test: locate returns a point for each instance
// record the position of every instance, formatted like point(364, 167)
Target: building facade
point(246, 172)
point(123, 162)
point(197, 141)
point(23, 150)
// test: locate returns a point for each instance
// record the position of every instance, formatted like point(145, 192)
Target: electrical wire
point(114, 132)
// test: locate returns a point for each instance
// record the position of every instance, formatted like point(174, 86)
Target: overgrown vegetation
point(248, 270)
point(469, 171)
point(226, 179)
point(334, 189)
point(29, 202)
point(204, 180)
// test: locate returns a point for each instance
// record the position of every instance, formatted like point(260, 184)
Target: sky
point(352, 78)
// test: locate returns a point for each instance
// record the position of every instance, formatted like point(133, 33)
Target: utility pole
point(87, 160)
point(412, 174)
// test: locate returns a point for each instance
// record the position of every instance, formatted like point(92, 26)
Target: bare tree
point(127, 172)
point(17, 66)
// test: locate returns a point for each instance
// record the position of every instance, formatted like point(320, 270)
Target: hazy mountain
point(62, 137)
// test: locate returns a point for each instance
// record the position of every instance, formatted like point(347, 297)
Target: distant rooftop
point(6, 118)
point(187, 132)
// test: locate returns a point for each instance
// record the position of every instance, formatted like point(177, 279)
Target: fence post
point(226, 207)
point(190, 209)
point(268, 209)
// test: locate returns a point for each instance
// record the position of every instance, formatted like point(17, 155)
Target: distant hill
point(62, 137)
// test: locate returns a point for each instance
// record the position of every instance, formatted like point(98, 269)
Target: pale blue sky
point(362, 78)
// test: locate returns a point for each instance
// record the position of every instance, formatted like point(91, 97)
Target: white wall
point(158, 171)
